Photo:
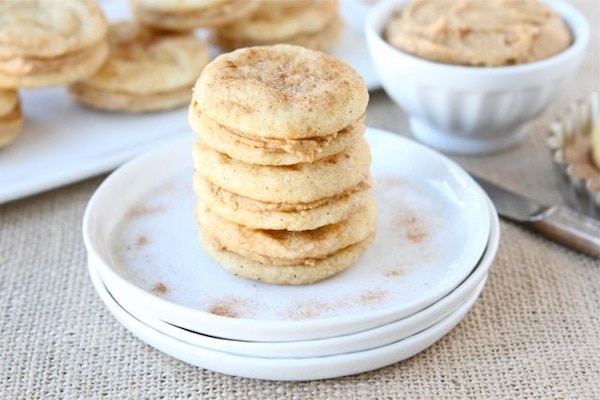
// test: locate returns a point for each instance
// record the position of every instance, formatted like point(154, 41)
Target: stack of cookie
point(11, 117)
point(184, 15)
point(147, 70)
point(315, 24)
point(282, 166)
point(46, 43)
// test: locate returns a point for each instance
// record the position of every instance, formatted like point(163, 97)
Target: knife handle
point(570, 229)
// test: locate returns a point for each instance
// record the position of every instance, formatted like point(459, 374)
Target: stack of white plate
point(436, 239)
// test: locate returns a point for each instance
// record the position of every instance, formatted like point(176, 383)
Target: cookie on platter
point(49, 43)
point(147, 70)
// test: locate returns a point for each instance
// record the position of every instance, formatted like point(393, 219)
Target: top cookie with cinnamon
point(45, 42)
point(281, 91)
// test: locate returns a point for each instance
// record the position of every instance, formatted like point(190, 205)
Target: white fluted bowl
point(471, 110)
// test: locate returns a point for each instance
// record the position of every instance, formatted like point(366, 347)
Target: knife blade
point(556, 222)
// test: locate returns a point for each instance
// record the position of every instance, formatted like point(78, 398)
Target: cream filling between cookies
point(286, 262)
point(85, 91)
point(13, 115)
point(281, 244)
point(31, 65)
point(301, 147)
point(228, 197)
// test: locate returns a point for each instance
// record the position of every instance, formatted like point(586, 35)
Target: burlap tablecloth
point(534, 332)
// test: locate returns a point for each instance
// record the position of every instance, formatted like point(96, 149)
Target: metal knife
point(558, 223)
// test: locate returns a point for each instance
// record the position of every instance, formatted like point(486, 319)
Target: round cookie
point(185, 15)
point(282, 247)
point(11, 116)
point(281, 91)
point(285, 275)
point(256, 214)
point(322, 40)
point(282, 19)
point(305, 182)
point(146, 71)
point(272, 151)
point(46, 43)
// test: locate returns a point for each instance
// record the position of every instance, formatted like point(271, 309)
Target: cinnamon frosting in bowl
point(479, 33)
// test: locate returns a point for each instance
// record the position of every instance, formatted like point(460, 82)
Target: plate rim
point(310, 328)
point(285, 369)
point(352, 342)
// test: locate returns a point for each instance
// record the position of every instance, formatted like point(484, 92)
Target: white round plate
point(287, 369)
point(360, 341)
point(432, 230)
